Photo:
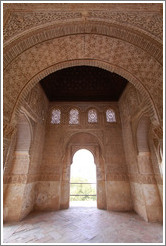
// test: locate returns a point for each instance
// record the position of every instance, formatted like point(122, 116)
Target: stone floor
point(82, 225)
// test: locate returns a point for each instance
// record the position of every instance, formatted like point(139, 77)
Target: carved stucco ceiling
point(83, 83)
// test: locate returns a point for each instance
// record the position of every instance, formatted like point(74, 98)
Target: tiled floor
point(82, 225)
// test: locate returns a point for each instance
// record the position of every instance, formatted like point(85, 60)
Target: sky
point(83, 165)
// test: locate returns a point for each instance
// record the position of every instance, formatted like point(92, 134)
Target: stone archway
point(87, 141)
point(121, 57)
point(112, 28)
point(153, 112)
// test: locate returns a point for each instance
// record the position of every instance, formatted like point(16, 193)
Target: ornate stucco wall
point(111, 164)
point(122, 38)
point(144, 166)
point(23, 159)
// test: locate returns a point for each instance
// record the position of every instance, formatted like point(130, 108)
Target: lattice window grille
point(110, 115)
point(92, 116)
point(74, 116)
point(56, 116)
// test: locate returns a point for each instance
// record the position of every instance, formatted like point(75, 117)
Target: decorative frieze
point(15, 179)
point(116, 177)
point(150, 22)
point(142, 178)
point(46, 169)
point(116, 168)
point(26, 179)
point(21, 21)
point(49, 177)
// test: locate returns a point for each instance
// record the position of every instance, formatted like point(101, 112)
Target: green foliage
point(82, 189)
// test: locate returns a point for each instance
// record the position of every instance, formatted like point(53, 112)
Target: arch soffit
point(27, 127)
point(107, 66)
point(133, 35)
point(22, 111)
point(142, 125)
point(135, 124)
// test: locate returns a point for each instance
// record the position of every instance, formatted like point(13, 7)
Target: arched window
point(56, 116)
point(74, 116)
point(110, 115)
point(92, 116)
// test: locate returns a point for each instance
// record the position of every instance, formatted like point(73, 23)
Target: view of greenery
point(82, 189)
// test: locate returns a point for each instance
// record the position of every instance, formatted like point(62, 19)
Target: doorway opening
point(83, 180)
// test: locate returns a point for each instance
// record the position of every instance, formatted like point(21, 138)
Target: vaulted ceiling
point(83, 83)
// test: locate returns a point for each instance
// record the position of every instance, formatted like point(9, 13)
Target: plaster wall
point(143, 167)
point(38, 170)
point(112, 178)
point(22, 166)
